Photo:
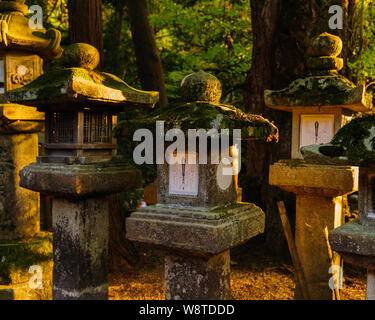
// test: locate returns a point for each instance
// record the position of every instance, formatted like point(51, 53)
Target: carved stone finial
point(201, 86)
point(81, 55)
point(323, 53)
point(16, 6)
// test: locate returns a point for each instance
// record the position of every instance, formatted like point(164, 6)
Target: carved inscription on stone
point(183, 177)
point(316, 129)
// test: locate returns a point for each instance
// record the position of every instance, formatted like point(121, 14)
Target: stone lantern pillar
point(320, 104)
point(80, 167)
point(22, 51)
point(197, 219)
point(354, 241)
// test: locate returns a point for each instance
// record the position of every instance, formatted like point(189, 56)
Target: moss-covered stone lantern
point(22, 51)
point(354, 145)
point(198, 219)
point(80, 167)
point(323, 102)
point(320, 105)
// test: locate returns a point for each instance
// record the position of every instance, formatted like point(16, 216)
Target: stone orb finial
point(325, 45)
point(201, 86)
point(81, 55)
point(323, 53)
point(17, 6)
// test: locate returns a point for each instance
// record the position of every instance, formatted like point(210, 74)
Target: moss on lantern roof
point(204, 115)
point(324, 87)
point(79, 82)
point(15, 32)
point(319, 91)
point(353, 144)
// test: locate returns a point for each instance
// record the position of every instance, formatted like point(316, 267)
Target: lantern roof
point(77, 82)
point(16, 34)
point(202, 109)
point(324, 87)
point(353, 144)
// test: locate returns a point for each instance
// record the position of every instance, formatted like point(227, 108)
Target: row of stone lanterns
point(80, 167)
point(321, 104)
point(197, 219)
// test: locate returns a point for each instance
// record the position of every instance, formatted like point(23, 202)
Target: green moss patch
point(21, 254)
point(203, 115)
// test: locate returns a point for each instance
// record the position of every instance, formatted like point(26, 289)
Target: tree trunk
point(147, 55)
point(278, 58)
point(86, 24)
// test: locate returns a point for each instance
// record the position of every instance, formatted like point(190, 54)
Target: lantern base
point(199, 231)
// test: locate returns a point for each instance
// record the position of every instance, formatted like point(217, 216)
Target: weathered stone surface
point(320, 180)
point(80, 180)
point(354, 238)
point(81, 55)
point(16, 259)
point(203, 114)
point(312, 154)
point(79, 84)
point(195, 230)
point(80, 241)
point(19, 207)
point(18, 35)
point(325, 87)
point(313, 214)
point(334, 91)
point(201, 86)
point(319, 190)
point(325, 45)
point(197, 278)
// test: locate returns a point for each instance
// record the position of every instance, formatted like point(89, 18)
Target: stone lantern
point(80, 167)
point(22, 51)
point(197, 219)
point(320, 105)
point(355, 240)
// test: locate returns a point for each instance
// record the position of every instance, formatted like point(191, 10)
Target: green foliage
point(213, 36)
point(362, 61)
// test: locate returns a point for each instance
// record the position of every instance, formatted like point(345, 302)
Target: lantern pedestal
point(189, 277)
point(197, 244)
point(80, 221)
point(356, 244)
point(319, 190)
point(355, 241)
point(19, 208)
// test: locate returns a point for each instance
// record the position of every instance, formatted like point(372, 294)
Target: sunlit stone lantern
point(197, 219)
point(355, 240)
point(320, 105)
point(22, 51)
point(80, 167)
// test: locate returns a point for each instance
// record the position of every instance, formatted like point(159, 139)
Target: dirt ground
point(255, 275)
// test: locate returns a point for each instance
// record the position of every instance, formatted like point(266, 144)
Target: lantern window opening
point(2, 76)
point(97, 128)
point(61, 127)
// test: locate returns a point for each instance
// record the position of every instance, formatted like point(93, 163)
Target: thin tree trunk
point(148, 59)
point(86, 24)
point(278, 56)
